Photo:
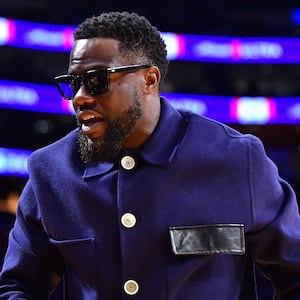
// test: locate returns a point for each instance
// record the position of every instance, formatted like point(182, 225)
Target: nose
point(82, 97)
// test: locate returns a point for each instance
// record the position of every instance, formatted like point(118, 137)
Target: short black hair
point(138, 39)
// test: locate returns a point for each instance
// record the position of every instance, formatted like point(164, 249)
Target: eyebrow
point(102, 67)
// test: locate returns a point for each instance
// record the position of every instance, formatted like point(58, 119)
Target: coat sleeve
point(32, 266)
point(274, 240)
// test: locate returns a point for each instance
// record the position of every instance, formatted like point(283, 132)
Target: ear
point(152, 78)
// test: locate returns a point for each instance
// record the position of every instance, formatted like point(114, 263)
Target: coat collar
point(159, 148)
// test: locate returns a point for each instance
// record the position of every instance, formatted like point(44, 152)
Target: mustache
point(108, 148)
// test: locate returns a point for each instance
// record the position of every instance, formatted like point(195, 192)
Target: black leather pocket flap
point(208, 239)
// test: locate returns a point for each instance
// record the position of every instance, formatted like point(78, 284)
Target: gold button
point(128, 220)
point(127, 162)
point(131, 287)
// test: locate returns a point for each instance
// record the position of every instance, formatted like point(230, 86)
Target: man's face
point(107, 122)
point(117, 129)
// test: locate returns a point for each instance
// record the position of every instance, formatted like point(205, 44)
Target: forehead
point(95, 52)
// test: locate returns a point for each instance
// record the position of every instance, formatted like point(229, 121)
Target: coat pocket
point(208, 239)
point(80, 267)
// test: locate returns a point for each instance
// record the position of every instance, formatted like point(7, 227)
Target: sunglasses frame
point(84, 78)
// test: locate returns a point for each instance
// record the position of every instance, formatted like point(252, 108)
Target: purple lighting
point(7, 31)
point(32, 97)
point(14, 162)
point(229, 109)
point(51, 37)
point(36, 36)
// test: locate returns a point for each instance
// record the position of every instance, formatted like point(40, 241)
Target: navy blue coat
point(202, 203)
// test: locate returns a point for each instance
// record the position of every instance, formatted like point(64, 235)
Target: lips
point(91, 123)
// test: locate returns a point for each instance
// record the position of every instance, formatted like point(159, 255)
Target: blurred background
point(267, 81)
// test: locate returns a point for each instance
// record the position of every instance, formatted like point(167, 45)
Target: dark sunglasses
point(96, 82)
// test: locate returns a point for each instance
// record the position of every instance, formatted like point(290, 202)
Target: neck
point(144, 127)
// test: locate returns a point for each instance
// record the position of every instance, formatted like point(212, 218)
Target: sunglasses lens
point(96, 82)
point(67, 86)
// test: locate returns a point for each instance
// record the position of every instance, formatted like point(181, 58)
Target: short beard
point(108, 148)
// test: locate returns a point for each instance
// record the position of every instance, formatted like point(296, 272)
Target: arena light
point(32, 97)
point(52, 37)
point(13, 162)
point(295, 16)
point(229, 109)
point(253, 110)
point(7, 32)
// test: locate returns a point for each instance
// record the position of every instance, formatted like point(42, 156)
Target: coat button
point(127, 162)
point(128, 220)
point(131, 287)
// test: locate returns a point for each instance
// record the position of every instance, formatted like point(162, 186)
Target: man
point(144, 201)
